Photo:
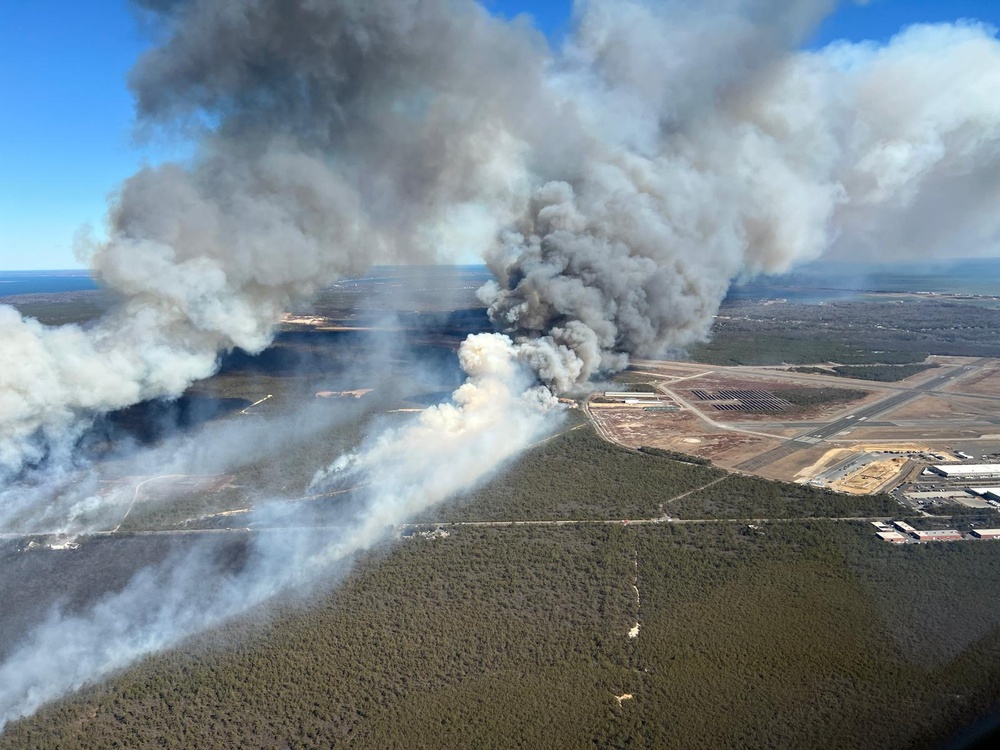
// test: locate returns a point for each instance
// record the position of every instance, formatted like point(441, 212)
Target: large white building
point(959, 471)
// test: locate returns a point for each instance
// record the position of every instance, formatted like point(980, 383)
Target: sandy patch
point(870, 477)
point(825, 461)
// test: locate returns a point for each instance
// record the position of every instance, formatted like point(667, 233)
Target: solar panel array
point(738, 400)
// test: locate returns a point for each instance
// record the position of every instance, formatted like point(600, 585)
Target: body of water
point(827, 282)
point(813, 283)
point(44, 282)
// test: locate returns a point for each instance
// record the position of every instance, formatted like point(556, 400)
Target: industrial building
point(986, 533)
point(959, 471)
point(904, 527)
point(893, 537)
point(938, 535)
point(635, 398)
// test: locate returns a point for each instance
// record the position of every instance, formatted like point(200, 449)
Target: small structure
point(939, 535)
point(986, 533)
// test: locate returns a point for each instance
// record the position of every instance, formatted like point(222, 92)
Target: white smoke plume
point(451, 447)
point(616, 187)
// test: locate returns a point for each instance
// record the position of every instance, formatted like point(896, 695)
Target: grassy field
point(876, 373)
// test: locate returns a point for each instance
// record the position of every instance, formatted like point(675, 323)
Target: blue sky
point(66, 120)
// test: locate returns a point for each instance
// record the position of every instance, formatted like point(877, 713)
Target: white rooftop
point(968, 469)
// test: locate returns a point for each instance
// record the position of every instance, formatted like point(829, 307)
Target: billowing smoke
point(711, 157)
point(616, 187)
point(495, 414)
point(331, 136)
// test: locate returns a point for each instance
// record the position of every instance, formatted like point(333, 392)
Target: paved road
point(657, 521)
point(456, 524)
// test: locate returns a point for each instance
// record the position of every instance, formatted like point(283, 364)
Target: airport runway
point(830, 429)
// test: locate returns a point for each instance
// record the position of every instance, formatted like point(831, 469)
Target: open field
point(985, 382)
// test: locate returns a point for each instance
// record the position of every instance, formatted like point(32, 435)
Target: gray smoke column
point(330, 136)
point(616, 186)
point(711, 153)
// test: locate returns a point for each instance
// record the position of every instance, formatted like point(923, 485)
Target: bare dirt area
point(731, 449)
point(871, 477)
point(795, 467)
point(680, 431)
point(811, 464)
point(635, 428)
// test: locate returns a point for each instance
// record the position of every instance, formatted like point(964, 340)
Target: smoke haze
point(615, 187)
point(496, 413)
